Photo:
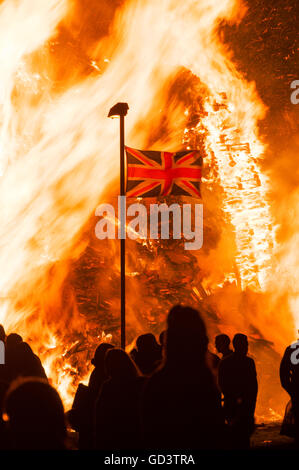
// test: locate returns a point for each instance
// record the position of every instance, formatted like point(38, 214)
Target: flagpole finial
point(119, 109)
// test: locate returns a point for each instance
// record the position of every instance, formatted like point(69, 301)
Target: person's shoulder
point(141, 380)
point(250, 360)
point(158, 373)
point(213, 358)
point(225, 361)
point(106, 385)
point(156, 378)
point(93, 375)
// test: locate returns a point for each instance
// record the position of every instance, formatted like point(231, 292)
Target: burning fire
point(238, 151)
point(59, 152)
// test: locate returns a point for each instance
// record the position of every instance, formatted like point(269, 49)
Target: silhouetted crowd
point(171, 394)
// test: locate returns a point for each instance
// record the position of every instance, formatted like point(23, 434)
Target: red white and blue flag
point(151, 173)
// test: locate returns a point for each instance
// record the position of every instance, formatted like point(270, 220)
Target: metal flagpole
point(122, 240)
point(121, 109)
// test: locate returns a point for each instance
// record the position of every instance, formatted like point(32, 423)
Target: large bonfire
point(62, 68)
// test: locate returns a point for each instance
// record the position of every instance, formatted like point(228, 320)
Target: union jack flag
point(151, 173)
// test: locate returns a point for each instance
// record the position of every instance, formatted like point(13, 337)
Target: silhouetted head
point(99, 355)
point(2, 333)
point(222, 343)
point(13, 339)
point(240, 343)
point(119, 365)
point(186, 338)
point(36, 415)
point(25, 361)
point(25, 349)
point(147, 343)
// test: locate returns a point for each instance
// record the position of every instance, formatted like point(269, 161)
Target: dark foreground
point(267, 436)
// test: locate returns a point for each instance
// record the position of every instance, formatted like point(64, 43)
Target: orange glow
point(59, 152)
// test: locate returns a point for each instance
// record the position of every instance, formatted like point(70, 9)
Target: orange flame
point(59, 151)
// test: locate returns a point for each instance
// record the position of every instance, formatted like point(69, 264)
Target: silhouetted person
point(81, 416)
point(117, 423)
point(3, 368)
point(28, 363)
point(222, 343)
point(13, 339)
point(11, 356)
point(162, 343)
point(289, 378)
point(181, 404)
point(147, 355)
point(213, 363)
point(2, 334)
point(162, 338)
point(238, 383)
point(99, 374)
point(36, 415)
